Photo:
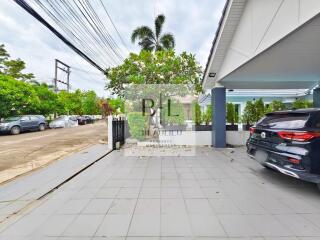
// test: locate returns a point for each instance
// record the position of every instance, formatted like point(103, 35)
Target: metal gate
point(118, 127)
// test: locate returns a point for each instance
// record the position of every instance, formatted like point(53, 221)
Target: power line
point(119, 35)
point(93, 25)
point(84, 31)
point(31, 11)
point(105, 30)
point(88, 43)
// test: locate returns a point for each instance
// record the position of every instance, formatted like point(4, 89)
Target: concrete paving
point(216, 194)
point(19, 193)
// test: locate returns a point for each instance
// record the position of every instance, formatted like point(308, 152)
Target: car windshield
point(11, 119)
point(284, 121)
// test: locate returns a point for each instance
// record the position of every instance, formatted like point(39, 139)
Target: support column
point(316, 98)
point(218, 102)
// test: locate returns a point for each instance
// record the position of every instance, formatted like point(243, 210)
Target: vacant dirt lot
point(28, 151)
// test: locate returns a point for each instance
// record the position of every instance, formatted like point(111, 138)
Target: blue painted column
point(316, 98)
point(218, 102)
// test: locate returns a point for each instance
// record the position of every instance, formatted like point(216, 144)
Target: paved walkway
point(19, 193)
point(213, 195)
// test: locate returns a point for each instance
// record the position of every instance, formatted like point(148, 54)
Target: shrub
point(276, 105)
point(176, 113)
point(259, 109)
point(248, 116)
point(207, 115)
point(196, 113)
point(301, 103)
point(230, 113)
point(137, 125)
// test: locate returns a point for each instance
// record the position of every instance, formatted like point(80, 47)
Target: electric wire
point(73, 31)
point(113, 24)
point(36, 15)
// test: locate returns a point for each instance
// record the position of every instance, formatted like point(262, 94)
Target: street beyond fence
point(28, 151)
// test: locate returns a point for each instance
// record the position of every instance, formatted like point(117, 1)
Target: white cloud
point(192, 22)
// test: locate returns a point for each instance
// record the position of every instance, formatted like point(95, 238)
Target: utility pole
point(64, 68)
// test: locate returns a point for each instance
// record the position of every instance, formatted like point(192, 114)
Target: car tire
point(42, 127)
point(15, 130)
point(318, 186)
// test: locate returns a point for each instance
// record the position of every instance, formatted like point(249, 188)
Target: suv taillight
point(251, 130)
point(298, 136)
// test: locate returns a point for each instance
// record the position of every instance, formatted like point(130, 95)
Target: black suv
point(289, 142)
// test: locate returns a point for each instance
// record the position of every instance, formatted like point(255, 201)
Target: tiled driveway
point(213, 195)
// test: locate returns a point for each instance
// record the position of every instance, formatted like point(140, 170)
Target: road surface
point(28, 151)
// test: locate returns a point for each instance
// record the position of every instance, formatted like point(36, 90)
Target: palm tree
point(149, 40)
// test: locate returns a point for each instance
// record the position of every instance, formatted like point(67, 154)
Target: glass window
point(11, 119)
point(284, 121)
point(33, 118)
point(25, 118)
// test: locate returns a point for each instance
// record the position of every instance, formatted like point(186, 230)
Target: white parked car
point(64, 122)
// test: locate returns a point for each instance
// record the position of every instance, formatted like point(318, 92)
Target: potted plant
point(231, 118)
point(206, 117)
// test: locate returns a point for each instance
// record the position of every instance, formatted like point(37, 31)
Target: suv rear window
point(284, 121)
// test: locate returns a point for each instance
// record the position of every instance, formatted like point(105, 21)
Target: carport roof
point(290, 63)
point(228, 23)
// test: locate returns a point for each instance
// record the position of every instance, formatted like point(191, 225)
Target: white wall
point(203, 138)
point(263, 23)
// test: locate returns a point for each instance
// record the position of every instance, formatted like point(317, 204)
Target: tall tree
point(161, 67)
point(153, 40)
point(16, 97)
point(13, 67)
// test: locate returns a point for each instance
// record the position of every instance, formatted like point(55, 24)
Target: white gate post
point(110, 136)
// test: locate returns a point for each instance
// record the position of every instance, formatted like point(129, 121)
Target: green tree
point(230, 113)
point(117, 104)
point(153, 40)
point(11, 67)
point(89, 103)
point(14, 68)
point(16, 97)
point(4, 56)
point(161, 67)
point(72, 102)
point(48, 100)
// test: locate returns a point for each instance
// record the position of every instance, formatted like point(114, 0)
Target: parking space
point(216, 194)
point(28, 151)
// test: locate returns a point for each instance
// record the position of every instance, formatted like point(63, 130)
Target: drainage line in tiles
point(55, 188)
point(73, 176)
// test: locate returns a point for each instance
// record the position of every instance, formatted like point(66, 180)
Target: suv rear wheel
point(42, 127)
point(15, 130)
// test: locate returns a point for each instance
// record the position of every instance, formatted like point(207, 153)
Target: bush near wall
point(176, 117)
point(137, 125)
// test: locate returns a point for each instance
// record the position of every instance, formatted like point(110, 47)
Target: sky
point(193, 23)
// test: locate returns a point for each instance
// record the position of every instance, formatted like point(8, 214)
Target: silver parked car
point(16, 125)
point(64, 122)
